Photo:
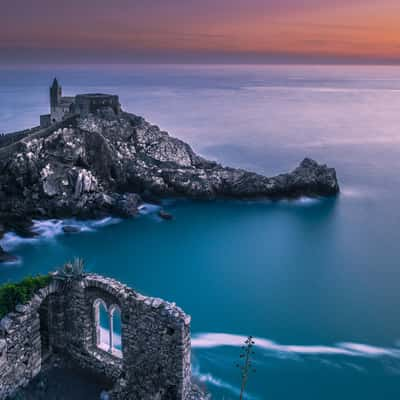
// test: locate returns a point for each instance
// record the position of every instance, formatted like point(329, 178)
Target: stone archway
point(46, 314)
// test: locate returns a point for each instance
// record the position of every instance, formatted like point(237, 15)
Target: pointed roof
point(55, 83)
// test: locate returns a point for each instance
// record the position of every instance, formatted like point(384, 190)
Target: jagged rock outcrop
point(103, 163)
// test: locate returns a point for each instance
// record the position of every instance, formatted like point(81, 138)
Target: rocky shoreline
point(108, 164)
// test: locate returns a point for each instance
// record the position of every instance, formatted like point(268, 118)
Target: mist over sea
point(315, 281)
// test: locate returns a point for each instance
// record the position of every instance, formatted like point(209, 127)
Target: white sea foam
point(306, 201)
point(50, 229)
point(148, 208)
point(320, 353)
point(10, 241)
point(102, 222)
point(371, 351)
point(212, 340)
point(210, 379)
point(47, 229)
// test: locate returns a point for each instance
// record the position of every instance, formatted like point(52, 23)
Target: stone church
point(62, 107)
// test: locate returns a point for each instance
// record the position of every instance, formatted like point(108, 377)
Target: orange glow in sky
point(339, 29)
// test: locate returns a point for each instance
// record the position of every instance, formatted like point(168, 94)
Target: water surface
point(315, 281)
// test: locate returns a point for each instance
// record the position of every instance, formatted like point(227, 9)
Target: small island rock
point(164, 215)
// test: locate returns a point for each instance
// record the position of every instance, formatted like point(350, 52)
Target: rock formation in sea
point(105, 162)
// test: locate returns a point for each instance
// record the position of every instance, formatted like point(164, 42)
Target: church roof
point(94, 95)
point(67, 100)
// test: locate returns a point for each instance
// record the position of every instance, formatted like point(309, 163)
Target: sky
point(237, 31)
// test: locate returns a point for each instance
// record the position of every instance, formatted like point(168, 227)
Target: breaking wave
point(50, 229)
point(210, 379)
point(212, 340)
point(344, 355)
point(148, 208)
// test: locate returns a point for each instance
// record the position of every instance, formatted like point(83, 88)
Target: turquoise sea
point(315, 281)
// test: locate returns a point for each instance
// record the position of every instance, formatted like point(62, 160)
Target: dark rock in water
point(164, 215)
point(6, 257)
point(21, 225)
point(102, 164)
point(71, 229)
point(126, 205)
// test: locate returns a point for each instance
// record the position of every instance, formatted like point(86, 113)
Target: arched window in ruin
point(108, 327)
point(116, 329)
point(101, 321)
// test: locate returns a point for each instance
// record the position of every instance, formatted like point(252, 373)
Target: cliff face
point(102, 163)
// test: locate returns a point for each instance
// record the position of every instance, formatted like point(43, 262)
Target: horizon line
point(183, 63)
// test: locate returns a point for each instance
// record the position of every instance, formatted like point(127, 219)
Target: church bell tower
point(55, 94)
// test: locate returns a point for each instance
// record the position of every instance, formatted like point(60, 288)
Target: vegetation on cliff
point(12, 294)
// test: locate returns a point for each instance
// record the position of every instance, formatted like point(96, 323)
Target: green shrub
point(12, 294)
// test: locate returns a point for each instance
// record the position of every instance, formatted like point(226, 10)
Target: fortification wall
point(15, 141)
point(155, 359)
point(9, 138)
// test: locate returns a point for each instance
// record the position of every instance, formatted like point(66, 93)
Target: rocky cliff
point(105, 163)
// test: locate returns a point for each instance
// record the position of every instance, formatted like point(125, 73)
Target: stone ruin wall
point(155, 362)
point(13, 139)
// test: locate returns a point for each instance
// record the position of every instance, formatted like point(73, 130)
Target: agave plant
point(71, 269)
point(78, 266)
point(246, 367)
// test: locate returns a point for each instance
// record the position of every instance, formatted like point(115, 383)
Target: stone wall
point(86, 104)
point(45, 120)
point(9, 138)
point(20, 341)
point(11, 142)
point(155, 358)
